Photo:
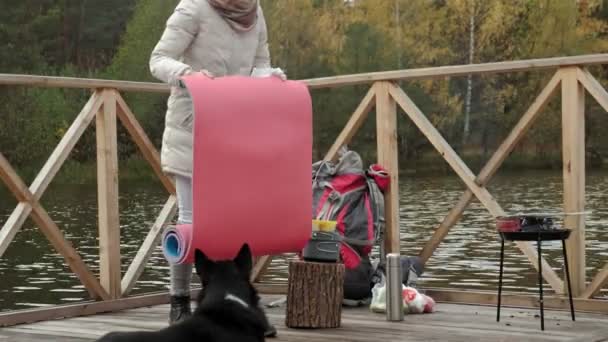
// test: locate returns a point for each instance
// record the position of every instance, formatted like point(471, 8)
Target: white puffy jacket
point(196, 37)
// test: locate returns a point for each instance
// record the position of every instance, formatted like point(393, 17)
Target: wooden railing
point(107, 107)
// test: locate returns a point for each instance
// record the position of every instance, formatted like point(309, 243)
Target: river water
point(33, 275)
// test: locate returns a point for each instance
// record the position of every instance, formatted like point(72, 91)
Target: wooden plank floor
point(451, 322)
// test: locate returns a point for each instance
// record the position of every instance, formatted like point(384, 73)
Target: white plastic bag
point(430, 304)
point(378, 303)
point(413, 301)
point(417, 302)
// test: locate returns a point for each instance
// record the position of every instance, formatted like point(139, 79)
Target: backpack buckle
point(334, 196)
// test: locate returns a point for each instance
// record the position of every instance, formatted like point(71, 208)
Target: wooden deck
point(451, 322)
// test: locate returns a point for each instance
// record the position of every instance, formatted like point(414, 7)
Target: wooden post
point(314, 295)
point(386, 128)
point(107, 186)
point(573, 140)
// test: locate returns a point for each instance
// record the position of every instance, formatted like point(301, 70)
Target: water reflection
point(33, 276)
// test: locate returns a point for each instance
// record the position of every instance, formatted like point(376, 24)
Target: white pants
point(181, 274)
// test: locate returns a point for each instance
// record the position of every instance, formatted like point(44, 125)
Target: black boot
point(269, 329)
point(180, 309)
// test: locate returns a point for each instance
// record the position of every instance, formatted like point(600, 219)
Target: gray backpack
point(353, 197)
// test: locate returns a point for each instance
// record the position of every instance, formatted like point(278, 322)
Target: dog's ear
point(244, 261)
point(203, 265)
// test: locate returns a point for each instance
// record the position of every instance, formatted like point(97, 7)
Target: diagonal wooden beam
point(467, 176)
point(147, 248)
point(600, 279)
point(593, 87)
point(260, 268)
point(453, 216)
point(65, 146)
point(13, 224)
point(128, 120)
point(50, 169)
point(354, 123)
point(444, 148)
point(50, 230)
point(520, 129)
point(493, 164)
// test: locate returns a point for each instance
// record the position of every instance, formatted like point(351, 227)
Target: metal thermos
point(394, 297)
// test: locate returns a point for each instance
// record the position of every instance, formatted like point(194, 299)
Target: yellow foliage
point(315, 38)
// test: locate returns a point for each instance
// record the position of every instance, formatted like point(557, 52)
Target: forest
point(112, 39)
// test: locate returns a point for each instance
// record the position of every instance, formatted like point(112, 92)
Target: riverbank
point(136, 169)
point(81, 173)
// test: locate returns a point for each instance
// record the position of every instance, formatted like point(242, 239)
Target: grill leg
point(540, 284)
point(502, 256)
point(568, 279)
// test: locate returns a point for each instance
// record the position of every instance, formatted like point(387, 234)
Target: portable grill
point(525, 223)
point(322, 247)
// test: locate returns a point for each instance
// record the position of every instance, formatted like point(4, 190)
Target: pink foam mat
point(252, 168)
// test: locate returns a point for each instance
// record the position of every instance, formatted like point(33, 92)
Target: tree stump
point(314, 295)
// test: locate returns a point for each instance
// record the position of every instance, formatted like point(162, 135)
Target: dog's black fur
point(215, 318)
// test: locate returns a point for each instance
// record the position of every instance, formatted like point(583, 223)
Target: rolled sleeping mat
point(176, 243)
point(252, 142)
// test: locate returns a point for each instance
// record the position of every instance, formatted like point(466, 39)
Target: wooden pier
point(110, 290)
point(451, 322)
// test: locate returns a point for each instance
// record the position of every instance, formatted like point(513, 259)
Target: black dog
point(228, 307)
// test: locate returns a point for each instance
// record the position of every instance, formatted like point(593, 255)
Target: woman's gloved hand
point(202, 72)
point(267, 72)
point(190, 72)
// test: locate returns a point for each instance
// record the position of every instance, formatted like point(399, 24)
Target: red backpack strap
point(379, 175)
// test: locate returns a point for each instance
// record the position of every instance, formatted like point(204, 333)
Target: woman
point(215, 38)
